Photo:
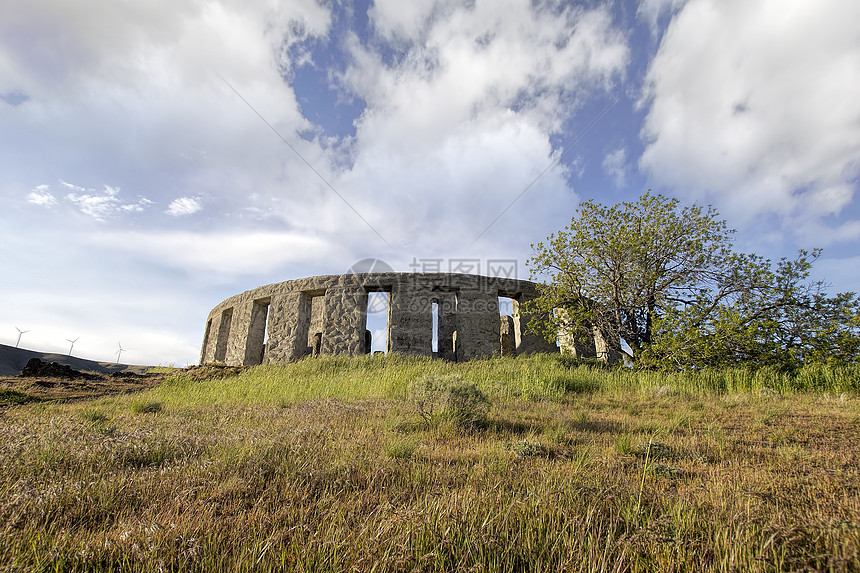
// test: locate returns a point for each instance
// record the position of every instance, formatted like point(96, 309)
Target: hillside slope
point(12, 360)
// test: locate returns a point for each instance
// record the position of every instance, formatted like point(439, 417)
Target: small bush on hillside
point(94, 415)
point(465, 405)
point(525, 449)
point(576, 384)
point(402, 448)
point(570, 361)
point(146, 407)
point(9, 396)
point(449, 398)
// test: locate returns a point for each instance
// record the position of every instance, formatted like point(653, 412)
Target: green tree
point(617, 267)
point(665, 279)
point(774, 317)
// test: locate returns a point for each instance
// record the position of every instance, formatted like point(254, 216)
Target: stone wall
point(328, 315)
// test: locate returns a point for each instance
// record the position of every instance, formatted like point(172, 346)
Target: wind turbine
point(119, 352)
point(73, 344)
point(20, 333)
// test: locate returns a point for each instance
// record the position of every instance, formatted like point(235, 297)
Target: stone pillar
point(477, 325)
point(578, 343)
point(528, 342)
point(410, 320)
point(578, 346)
point(507, 336)
point(256, 337)
point(289, 315)
point(346, 320)
point(223, 337)
point(237, 340)
point(603, 350)
point(207, 352)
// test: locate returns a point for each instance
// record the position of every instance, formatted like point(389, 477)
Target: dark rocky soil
point(40, 380)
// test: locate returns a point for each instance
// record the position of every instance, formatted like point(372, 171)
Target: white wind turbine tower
point(73, 344)
point(20, 334)
point(119, 352)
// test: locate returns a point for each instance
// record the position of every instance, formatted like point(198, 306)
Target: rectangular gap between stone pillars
point(378, 320)
point(257, 332)
point(507, 326)
point(434, 345)
point(316, 323)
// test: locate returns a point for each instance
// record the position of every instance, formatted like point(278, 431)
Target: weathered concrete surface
point(604, 350)
point(507, 338)
point(285, 321)
point(577, 343)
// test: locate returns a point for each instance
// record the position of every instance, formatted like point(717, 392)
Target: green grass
point(533, 378)
point(9, 397)
point(325, 465)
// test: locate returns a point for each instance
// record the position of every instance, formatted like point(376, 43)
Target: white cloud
point(133, 94)
point(653, 10)
point(490, 56)
point(184, 206)
point(615, 166)
point(753, 106)
point(101, 206)
point(459, 122)
point(42, 197)
point(228, 253)
point(49, 43)
point(137, 90)
point(395, 19)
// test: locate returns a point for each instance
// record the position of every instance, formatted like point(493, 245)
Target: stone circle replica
point(327, 315)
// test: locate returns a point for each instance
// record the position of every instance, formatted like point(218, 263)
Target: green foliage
point(402, 447)
point(449, 398)
point(9, 396)
point(614, 267)
point(526, 449)
point(146, 406)
point(94, 415)
point(760, 316)
point(666, 280)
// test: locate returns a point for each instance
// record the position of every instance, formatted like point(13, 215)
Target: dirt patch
point(36, 368)
point(23, 389)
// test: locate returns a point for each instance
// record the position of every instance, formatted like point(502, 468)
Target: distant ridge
point(12, 360)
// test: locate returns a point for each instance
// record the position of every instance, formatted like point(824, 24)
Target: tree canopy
point(665, 278)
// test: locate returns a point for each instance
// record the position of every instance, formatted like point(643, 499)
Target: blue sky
point(144, 178)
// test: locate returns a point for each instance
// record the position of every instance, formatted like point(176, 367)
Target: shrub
point(465, 405)
point(9, 396)
point(146, 407)
point(402, 448)
point(525, 449)
point(449, 398)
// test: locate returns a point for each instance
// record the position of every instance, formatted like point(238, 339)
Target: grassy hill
point(12, 360)
point(338, 464)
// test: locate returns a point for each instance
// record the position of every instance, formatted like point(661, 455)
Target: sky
point(159, 157)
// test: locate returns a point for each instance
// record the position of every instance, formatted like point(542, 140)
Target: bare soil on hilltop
point(49, 381)
point(13, 360)
point(31, 376)
point(20, 390)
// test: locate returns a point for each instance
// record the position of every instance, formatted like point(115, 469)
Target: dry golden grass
point(618, 478)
